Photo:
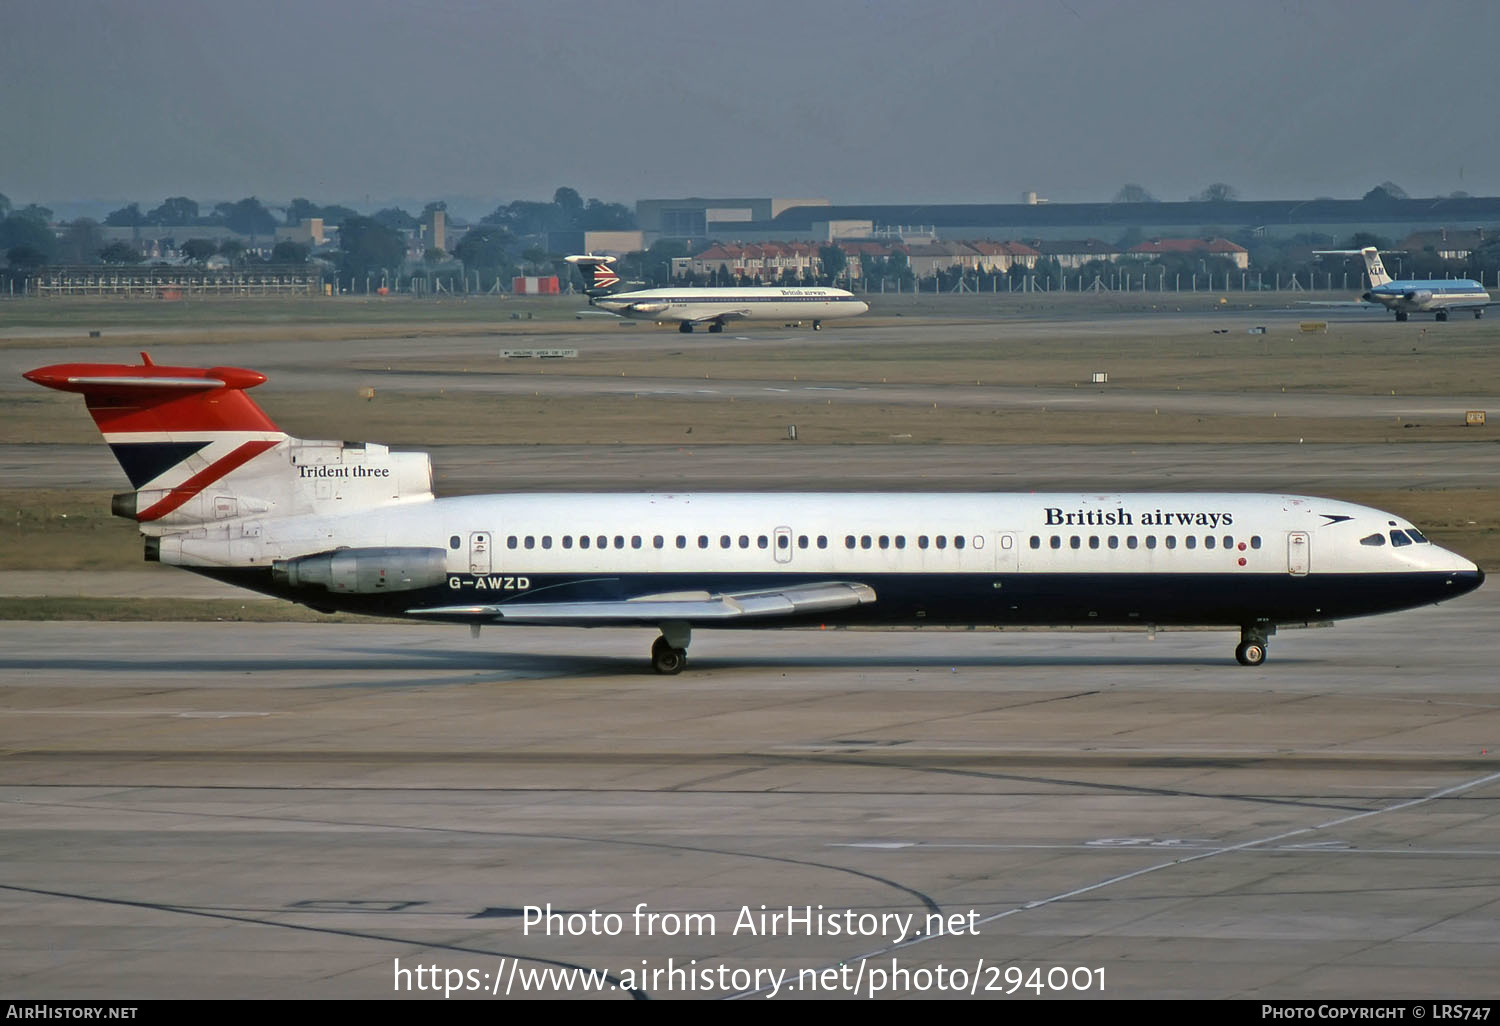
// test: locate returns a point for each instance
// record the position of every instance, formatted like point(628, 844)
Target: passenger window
point(744, 541)
point(1114, 541)
point(1229, 541)
point(1130, 542)
point(602, 542)
point(1171, 541)
point(511, 542)
point(1255, 541)
point(783, 542)
point(958, 541)
point(658, 542)
point(801, 541)
point(942, 541)
point(921, 541)
point(900, 541)
point(530, 542)
point(885, 541)
point(454, 542)
point(567, 541)
point(864, 541)
point(1375, 541)
point(1208, 542)
point(1036, 542)
point(1399, 538)
point(619, 541)
point(822, 541)
point(546, 541)
point(635, 541)
point(1093, 541)
point(761, 542)
point(703, 541)
point(848, 541)
point(1191, 541)
point(682, 541)
point(583, 541)
point(725, 541)
point(1150, 541)
point(1056, 542)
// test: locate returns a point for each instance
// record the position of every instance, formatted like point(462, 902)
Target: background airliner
point(1403, 298)
point(714, 307)
point(221, 491)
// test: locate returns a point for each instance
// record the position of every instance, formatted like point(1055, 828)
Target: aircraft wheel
point(1478, 314)
point(1400, 315)
point(665, 659)
point(686, 327)
point(715, 328)
point(1250, 653)
point(817, 325)
point(1442, 315)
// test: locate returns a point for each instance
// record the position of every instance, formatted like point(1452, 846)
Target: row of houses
point(769, 261)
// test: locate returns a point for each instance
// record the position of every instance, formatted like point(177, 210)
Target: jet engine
point(363, 571)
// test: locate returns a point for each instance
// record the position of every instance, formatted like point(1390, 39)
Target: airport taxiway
point(247, 810)
point(243, 810)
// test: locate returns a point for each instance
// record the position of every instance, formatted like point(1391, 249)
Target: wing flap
point(799, 599)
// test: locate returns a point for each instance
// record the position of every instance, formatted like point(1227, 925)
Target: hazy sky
point(935, 101)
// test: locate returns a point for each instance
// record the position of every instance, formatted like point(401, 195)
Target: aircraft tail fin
point(198, 450)
point(1374, 267)
point(599, 278)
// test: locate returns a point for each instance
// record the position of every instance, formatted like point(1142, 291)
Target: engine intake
point(363, 571)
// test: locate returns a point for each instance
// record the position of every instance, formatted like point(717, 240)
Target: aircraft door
point(1007, 551)
point(1298, 558)
point(479, 552)
point(782, 545)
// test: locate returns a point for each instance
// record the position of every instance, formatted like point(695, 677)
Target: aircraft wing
point(692, 607)
point(727, 315)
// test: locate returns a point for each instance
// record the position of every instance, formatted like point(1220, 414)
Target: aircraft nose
point(1465, 581)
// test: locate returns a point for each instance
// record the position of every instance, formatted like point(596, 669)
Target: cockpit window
point(1374, 540)
point(1417, 536)
point(1399, 538)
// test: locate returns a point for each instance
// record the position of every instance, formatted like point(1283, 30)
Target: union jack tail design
point(599, 278)
point(176, 431)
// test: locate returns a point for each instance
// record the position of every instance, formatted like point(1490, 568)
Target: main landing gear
point(669, 652)
point(716, 327)
point(686, 327)
point(817, 325)
point(1442, 315)
point(1251, 651)
point(1400, 315)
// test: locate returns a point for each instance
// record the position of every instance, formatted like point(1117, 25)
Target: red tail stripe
point(195, 484)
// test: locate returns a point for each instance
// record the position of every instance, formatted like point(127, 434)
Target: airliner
point(219, 490)
point(713, 307)
point(1403, 298)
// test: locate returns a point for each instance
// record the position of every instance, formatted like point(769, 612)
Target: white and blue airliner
point(219, 490)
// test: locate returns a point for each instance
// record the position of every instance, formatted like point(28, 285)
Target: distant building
point(1072, 254)
point(700, 218)
point(1448, 244)
point(1239, 255)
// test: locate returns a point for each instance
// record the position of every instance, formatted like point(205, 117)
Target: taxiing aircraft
point(221, 491)
point(714, 307)
point(1403, 298)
